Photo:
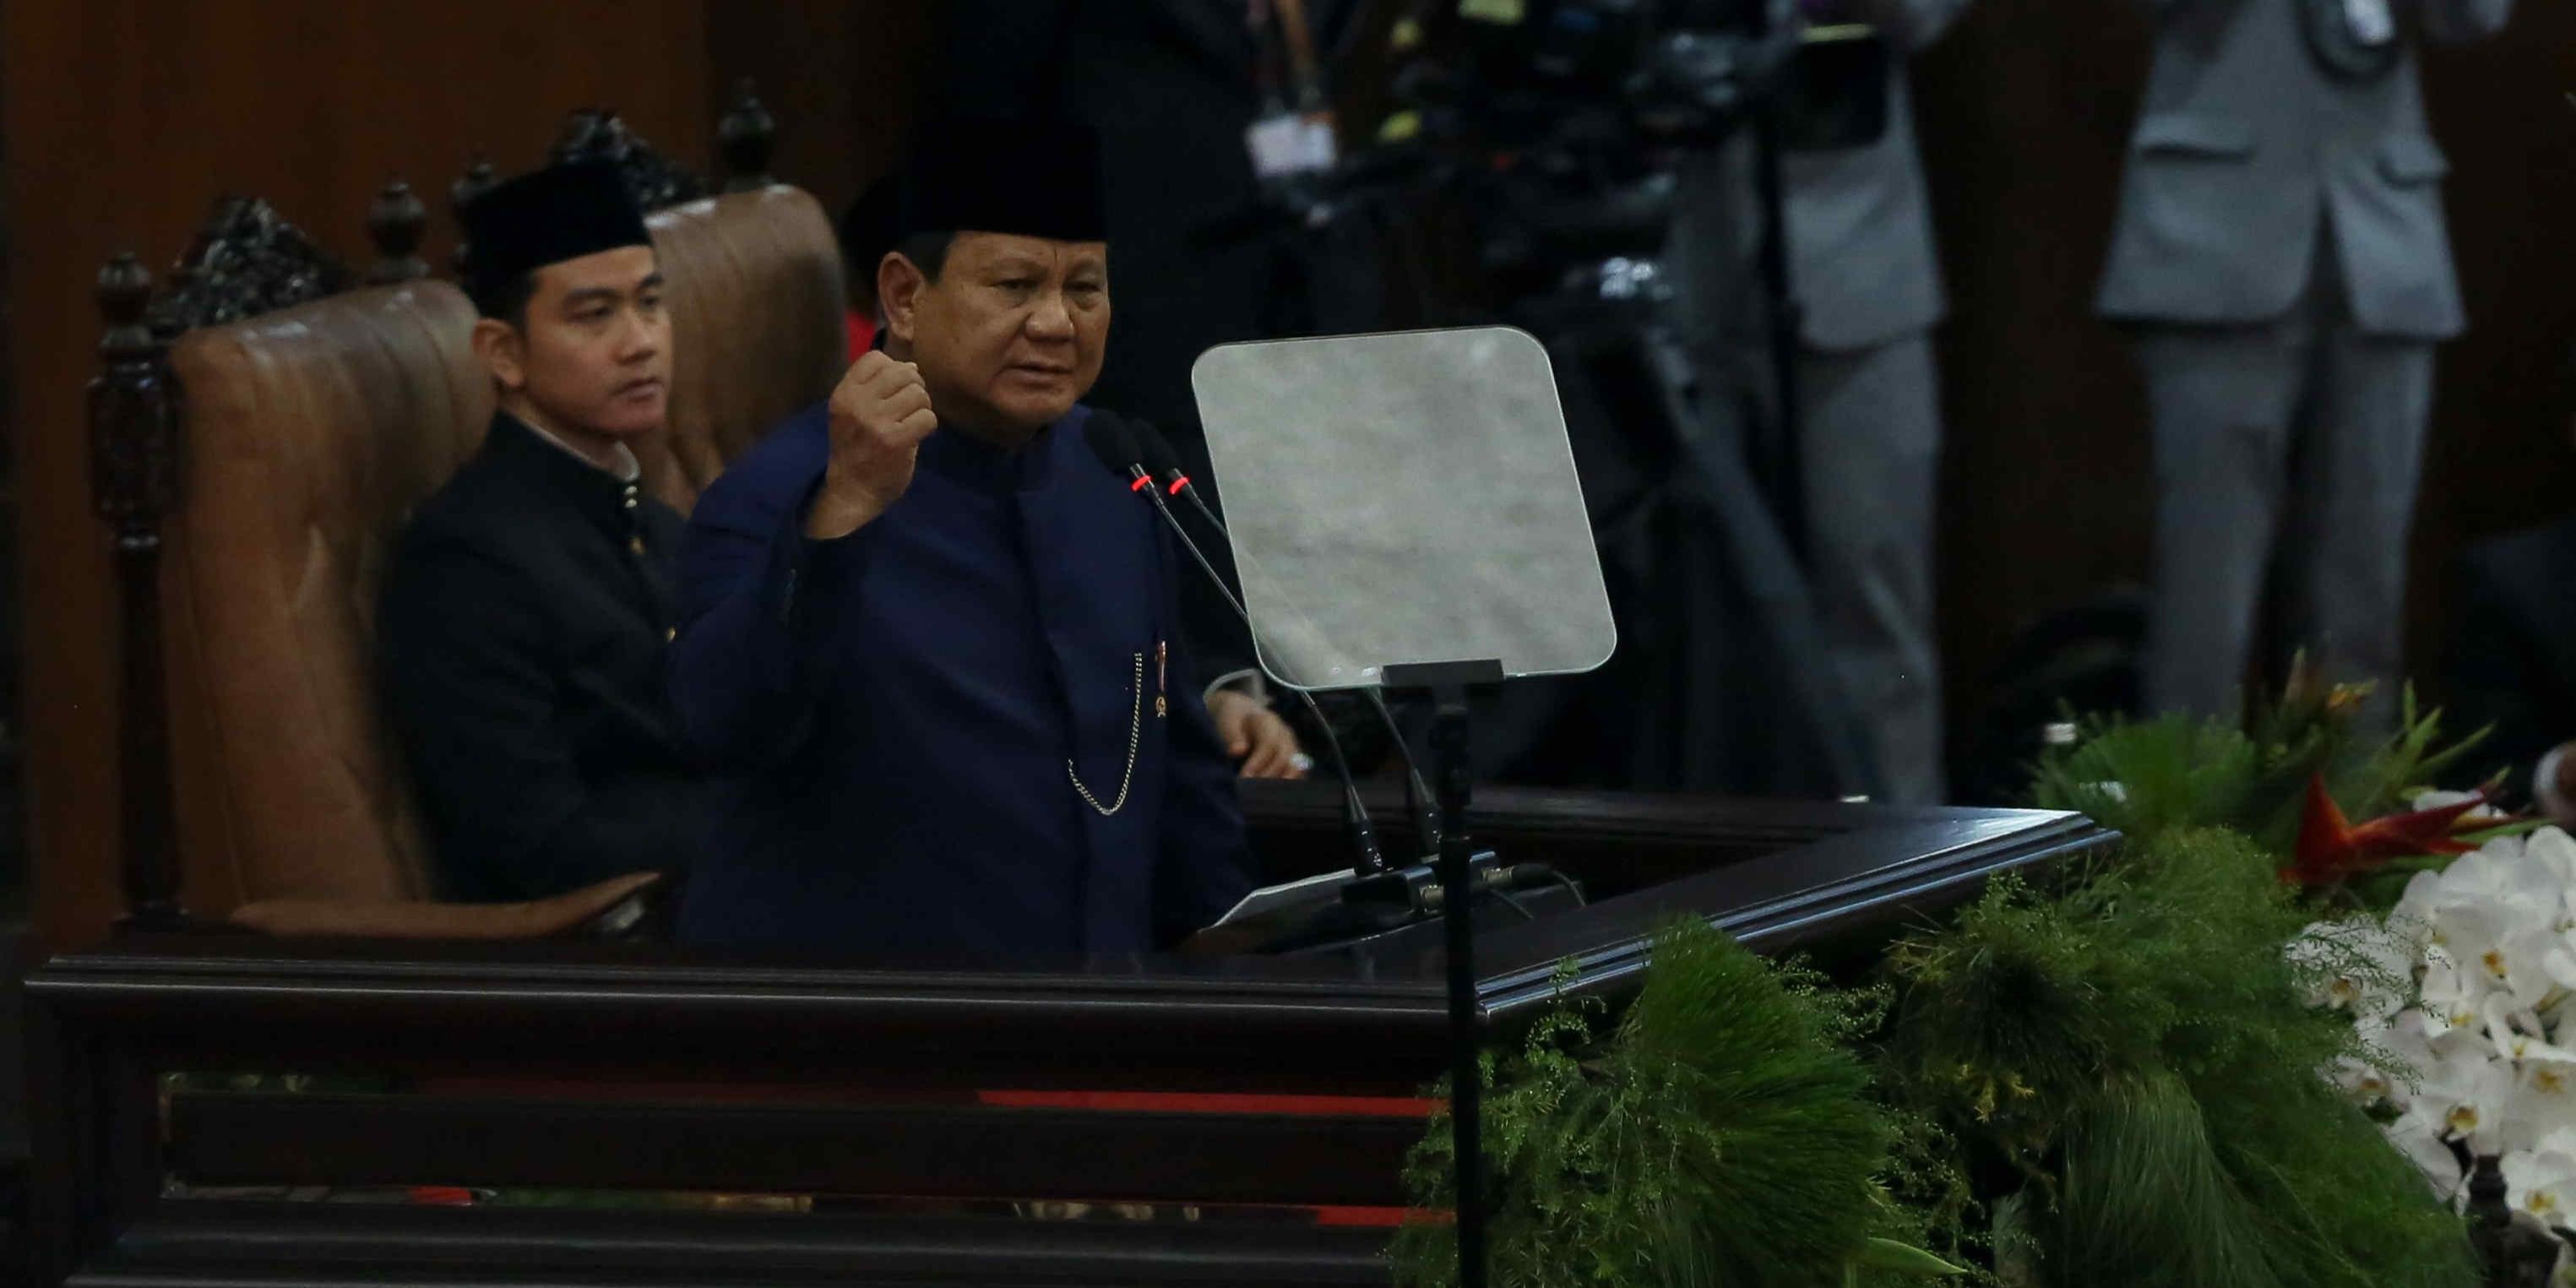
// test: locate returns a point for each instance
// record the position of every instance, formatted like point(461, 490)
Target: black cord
point(1570, 886)
point(1355, 811)
point(1512, 903)
point(1417, 793)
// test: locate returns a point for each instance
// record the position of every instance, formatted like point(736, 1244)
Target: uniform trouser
point(1869, 449)
point(2288, 448)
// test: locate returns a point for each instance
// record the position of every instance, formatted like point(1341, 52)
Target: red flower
point(2331, 849)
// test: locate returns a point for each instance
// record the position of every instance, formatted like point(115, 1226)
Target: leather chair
point(309, 435)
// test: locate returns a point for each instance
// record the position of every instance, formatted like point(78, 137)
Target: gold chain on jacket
point(1135, 735)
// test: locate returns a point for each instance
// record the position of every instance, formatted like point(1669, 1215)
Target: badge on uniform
point(1285, 143)
point(2354, 40)
point(2372, 23)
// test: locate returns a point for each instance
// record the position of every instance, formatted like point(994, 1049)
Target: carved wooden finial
point(599, 135)
point(247, 260)
point(124, 289)
point(744, 140)
point(396, 222)
point(133, 478)
point(478, 179)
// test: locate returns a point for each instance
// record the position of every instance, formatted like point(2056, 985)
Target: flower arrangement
point(2142, 1072)
point(2470, 1050)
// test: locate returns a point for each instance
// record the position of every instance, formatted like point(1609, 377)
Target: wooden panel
point(307, 1245)
point(2024, 111)
point(838, 74)
point(124, 120)
point(224, 1138)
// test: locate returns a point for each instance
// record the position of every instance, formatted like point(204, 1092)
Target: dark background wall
point(121, 120)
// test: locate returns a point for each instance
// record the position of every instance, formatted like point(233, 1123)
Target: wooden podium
point(556, 1113)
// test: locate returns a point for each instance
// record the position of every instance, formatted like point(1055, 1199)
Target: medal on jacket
point(1162, 657)
point(2354, 40)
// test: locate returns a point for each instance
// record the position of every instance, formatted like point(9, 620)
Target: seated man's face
point(595, 352)
point(1012, 333)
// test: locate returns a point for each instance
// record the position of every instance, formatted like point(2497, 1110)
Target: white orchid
point(2450, 1014)
point(2398, 1055)
point(2501, 945)
point(2543, 1106)
point(2468, 1096)
point(2366, 1083)
point(2549, 848)
point(2490, 942)
point(2435, 800)
point(2543, 1181)
point(2492, 886)
point(2354, 965)
point(2419, 1134)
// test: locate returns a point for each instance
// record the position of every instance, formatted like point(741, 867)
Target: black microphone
point(1165, 466)
point(1119, 447)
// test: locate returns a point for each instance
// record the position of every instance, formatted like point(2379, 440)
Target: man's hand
point(1254, 734)
point(879, 414)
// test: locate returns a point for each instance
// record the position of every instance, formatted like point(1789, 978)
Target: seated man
point(528, 611)
point(939, 632)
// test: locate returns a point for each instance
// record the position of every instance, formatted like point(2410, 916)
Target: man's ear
point(503, 352)
point(900, 283)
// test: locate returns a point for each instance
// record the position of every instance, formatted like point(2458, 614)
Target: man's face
point(594, 355)
point(1012, 333)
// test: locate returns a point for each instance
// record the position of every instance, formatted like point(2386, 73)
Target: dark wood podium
point(570, 1114)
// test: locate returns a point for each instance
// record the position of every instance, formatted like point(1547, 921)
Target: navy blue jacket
point(969, 725)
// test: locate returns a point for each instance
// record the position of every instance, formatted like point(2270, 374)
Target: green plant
point(2142, 1053)
point(1716, 1137)
point(2151, 778)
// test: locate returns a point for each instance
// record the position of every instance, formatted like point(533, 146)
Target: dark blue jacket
point(970, 724)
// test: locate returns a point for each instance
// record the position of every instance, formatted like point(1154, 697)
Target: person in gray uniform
point(2282, 251)
point(1867, 289)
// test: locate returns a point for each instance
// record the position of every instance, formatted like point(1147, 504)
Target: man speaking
point(938, 631)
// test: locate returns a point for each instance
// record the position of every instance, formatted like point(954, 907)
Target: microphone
point(1118, 446)
point(1165, 466)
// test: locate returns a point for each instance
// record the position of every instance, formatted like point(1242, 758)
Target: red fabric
point(1186, 1102)
point(862, 331)
point(1384, 1218)
point(468, 1087)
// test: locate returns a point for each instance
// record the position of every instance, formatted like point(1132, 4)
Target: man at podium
point(938, 632)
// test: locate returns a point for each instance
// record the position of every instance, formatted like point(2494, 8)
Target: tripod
point(1719, 630)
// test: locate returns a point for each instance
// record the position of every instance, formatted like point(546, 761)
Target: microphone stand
point(1355, 816)
point(1417, 794)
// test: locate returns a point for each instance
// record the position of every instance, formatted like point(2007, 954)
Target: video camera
point(1591, 73)
point(1564, 120)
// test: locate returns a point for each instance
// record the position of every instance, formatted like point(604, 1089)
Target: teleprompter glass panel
point(1403, 498)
